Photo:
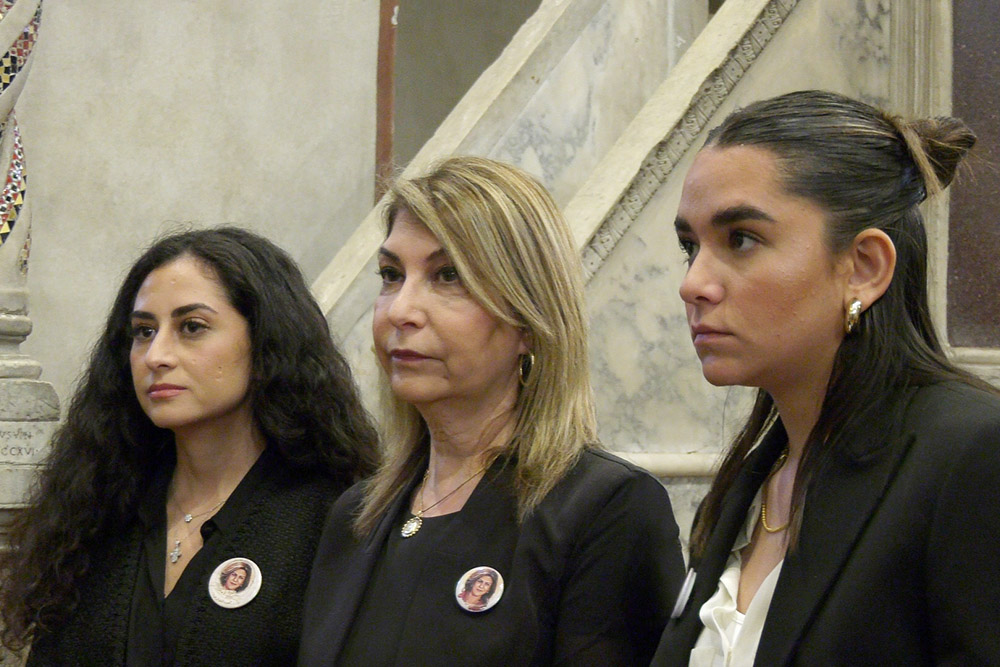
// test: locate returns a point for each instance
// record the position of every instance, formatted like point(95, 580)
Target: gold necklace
point(413, 524)
point(763, 497)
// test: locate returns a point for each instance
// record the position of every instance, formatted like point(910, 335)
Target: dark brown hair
point(866, 169)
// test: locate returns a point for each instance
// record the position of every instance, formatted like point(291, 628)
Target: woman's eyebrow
point(388, 254)
point(734, 214)
point(393, 257)
point(727, 216)
point(180, 311)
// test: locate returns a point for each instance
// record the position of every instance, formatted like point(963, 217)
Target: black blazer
point(898, 560)
point(588, 576)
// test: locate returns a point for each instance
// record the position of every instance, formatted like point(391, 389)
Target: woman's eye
point(389, 274)
point(190, 327)
point(742, 240)
point(689, 248)
point(449, 274)
point(141, 332)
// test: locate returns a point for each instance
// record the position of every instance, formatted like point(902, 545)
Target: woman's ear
point(871, 265)
point(525, 345)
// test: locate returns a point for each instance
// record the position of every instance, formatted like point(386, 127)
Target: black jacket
point(588, 576)
point(279, 530)
point(898, 560)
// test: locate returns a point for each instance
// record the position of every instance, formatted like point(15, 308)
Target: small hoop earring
point(524, 365)
point(853, 316)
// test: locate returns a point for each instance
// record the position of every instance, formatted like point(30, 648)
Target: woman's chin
point(415, 393)
point(721, 375)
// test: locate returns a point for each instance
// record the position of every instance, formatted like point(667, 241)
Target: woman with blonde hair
point(491, 457)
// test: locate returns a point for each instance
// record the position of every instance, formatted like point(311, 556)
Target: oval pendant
point(411, 526)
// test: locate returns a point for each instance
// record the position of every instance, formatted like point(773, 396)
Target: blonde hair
point(516, 256)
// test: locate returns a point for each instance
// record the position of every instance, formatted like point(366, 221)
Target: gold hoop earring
point(853, 316)
point(524, 365)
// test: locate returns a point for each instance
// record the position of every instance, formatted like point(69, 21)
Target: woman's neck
point(799, 408)
point(459, 451)
point(212, 460)
point(461, 433)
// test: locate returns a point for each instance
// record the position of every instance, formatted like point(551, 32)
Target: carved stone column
point(29, 408)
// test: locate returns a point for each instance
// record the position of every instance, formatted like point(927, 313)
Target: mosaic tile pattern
point(13, 192)
point(13, 61)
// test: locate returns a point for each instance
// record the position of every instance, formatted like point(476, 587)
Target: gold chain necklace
point(763, 497)
point(413, 524)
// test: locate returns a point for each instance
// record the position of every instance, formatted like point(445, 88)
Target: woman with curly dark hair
point(216, 420)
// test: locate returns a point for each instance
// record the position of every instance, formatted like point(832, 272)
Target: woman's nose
point(702, 282)
point(408, 306)
point(160, 351)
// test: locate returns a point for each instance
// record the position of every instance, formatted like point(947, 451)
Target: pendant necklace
point(175, 554)
point(413, 524)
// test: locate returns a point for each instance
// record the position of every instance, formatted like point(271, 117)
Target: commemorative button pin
point(479, 589)
point(234, 583)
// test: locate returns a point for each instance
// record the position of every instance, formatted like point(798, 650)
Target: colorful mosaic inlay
point(13, 192)
point(13, 61)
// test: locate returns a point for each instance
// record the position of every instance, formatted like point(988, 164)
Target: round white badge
point(234, 583)
point(479, 589)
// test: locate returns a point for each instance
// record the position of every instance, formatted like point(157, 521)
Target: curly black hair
point(302, 396)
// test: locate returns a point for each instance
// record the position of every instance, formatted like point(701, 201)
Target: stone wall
point(141, 117)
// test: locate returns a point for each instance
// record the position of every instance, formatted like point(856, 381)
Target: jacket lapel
point(355, 570)
point(838, 506)
point(682, 633)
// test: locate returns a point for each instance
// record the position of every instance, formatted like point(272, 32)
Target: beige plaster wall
point(140, 116)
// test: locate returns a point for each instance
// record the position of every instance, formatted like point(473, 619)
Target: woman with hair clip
point(211, 432)
point(492, 461)
point(854, 519)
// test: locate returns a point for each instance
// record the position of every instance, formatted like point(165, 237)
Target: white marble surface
point(592, 94)
point(138, 117)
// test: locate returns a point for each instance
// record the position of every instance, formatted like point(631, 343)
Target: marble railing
point(668, 466)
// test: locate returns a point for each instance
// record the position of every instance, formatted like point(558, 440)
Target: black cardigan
point(279, 530)
point(588, 576)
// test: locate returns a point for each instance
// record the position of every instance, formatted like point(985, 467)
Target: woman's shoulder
point(603, 464)
point(301, 480)
point(599, 476)
point(953, 425)
point(950, 409)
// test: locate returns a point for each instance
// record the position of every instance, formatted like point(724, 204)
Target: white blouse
point(729, 638)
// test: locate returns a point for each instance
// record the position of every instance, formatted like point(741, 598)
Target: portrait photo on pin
point(234, 583)
point(479, 589)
